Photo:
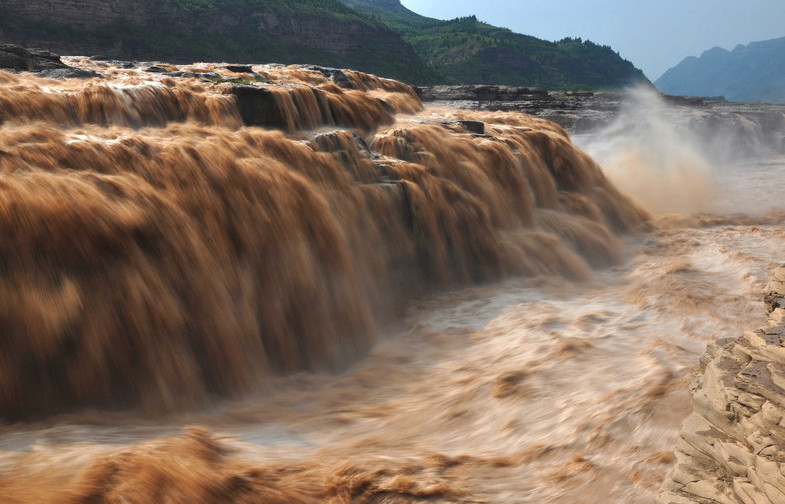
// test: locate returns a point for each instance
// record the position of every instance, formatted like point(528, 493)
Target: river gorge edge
point(731, 446)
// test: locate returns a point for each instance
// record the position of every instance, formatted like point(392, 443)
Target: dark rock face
point(334, 74)
point(69, 73)
point(263, 107)
point(14, 57)
point(46, 63)
point(258, 106)
point(120, 63)
point(239, 68)
point(692, 101)
point(476, 127)
point(156, 69)
point(482, 93)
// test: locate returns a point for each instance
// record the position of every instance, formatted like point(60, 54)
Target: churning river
point(511, 385)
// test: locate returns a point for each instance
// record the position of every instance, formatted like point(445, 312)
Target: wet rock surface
point(732, 446)
point(577, 111)
point(743, 128)
point(334, 74)
point(69, 73)
point(18, 58)
point(47, 64)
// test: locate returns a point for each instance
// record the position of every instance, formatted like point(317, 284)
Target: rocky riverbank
point(732, 446)
point(744, 128)
point(576, 111)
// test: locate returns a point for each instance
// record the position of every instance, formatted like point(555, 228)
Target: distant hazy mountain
point(473, 52)
point(755, 72)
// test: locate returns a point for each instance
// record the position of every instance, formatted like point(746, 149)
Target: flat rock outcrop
point(728, 129)
point(482, 92)
point(576, 111)
point(732, 446)
point(15, 57)
point(45, 63)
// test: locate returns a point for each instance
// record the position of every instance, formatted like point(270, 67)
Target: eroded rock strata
point(732, 446)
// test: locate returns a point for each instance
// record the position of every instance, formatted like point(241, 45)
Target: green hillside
point(321, 32)
point(392, 13)
point(472, 52)
point(376, 36)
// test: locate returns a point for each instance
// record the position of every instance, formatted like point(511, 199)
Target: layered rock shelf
point(739, 128)
point(732, 446)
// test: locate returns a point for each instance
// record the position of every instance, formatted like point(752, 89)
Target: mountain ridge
point(747, 73)
point(375, 36)
point(296, 31)
point(470, 51)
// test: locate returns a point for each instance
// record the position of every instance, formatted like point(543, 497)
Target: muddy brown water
point(194, 311)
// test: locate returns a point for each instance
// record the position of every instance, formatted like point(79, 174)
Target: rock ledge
point(732, 446)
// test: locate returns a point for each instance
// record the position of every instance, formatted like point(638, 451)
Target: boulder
point(239, 68)
point(336, 75)
point(258, 106)
point(113, 61)
point(18, 58)
point(477, 127)
point(69, 73)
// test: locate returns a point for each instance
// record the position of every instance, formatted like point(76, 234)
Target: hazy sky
point(654, 34)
